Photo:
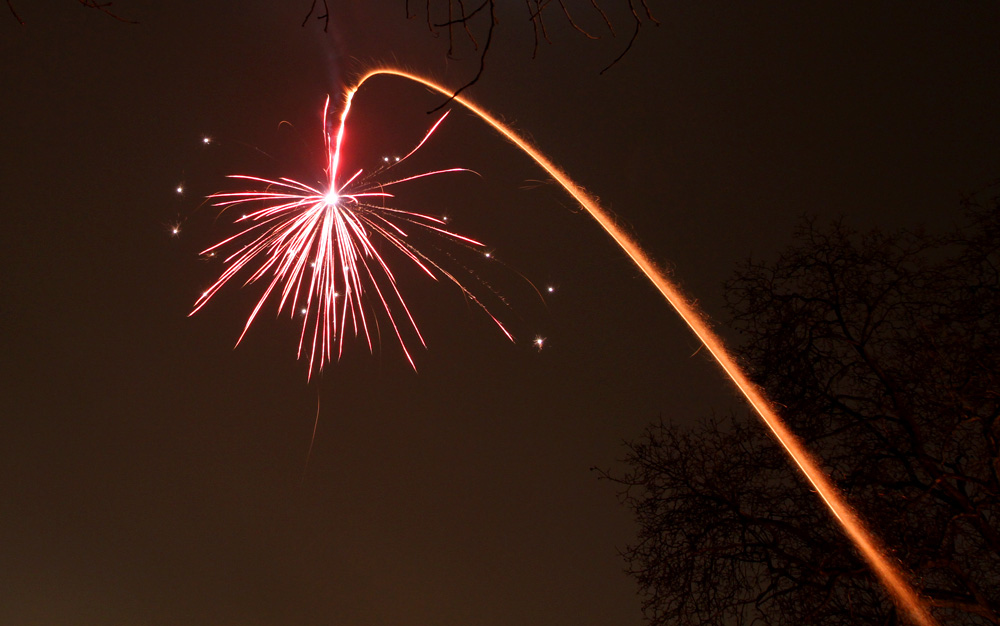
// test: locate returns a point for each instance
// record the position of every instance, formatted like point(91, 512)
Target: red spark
point(313, 245)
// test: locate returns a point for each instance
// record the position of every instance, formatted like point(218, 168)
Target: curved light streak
point(867, 545)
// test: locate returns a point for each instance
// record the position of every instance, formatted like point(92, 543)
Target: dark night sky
point(151, 474)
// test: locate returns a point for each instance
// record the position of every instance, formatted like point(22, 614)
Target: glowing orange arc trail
point(864, 541)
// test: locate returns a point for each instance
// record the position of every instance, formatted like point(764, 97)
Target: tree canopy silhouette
point(883, 352)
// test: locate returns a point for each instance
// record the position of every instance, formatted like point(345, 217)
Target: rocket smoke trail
point(867, 545)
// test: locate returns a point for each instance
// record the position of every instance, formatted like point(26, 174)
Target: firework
point(863, 540)
point(314, 247)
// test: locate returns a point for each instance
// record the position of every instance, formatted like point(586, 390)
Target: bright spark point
point(180, 189)
point(539, 343)
point(312, 243)
point(488, 255)
point(206, 140)
point(550, 289)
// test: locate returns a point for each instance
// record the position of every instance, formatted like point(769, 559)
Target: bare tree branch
point(576, 27)
point(465, 17)
point(482, 59)
point(325, 16)
point(458, 14)
point(635, 33)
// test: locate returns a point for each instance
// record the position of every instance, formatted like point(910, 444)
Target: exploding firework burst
point(317, 248)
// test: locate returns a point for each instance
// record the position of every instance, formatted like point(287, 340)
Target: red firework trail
point(866, 544)
point(314, 246)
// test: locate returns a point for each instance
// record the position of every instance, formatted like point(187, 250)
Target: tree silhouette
point(883, 351)
point(477, 22)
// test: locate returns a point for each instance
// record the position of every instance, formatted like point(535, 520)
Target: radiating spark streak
point(312, 440)
point(866, 544)
point(313, 247)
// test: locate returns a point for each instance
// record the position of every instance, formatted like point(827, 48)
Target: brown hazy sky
point(151, 474)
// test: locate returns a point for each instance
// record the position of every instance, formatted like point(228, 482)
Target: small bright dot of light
point(331, 198)
point(180, 189)
point(539, 342)
point(206, 140)
point(303, 311)
point(550, 289)
point(488, 255)
point(175, 230)
point(386, 159)
point(444, 218)
point(397, 159)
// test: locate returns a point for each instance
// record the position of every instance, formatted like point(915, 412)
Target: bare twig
point(464, 19)
point(482, 59)
point(572, 23)
point(534, 27)
point(458, 13)
point(468, 31)
point(537, 21)
point(325, 16)
point(104, 7)
point(649, 12)
point(635, 34)
point(603, 15)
